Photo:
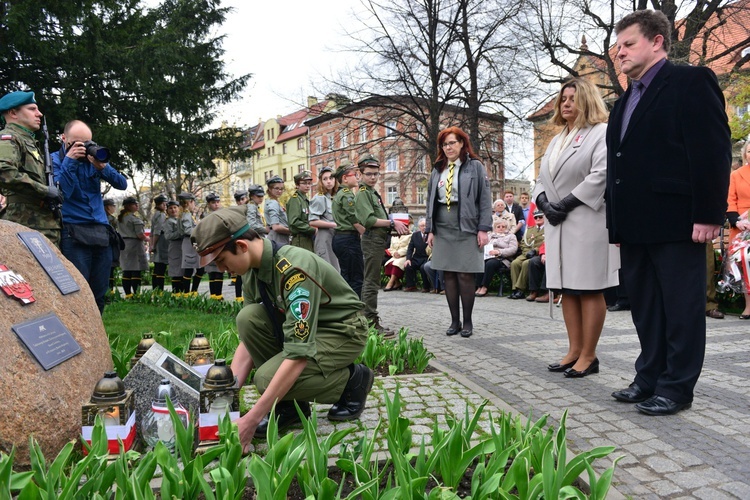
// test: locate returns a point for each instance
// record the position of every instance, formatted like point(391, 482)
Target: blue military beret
point(15, 99)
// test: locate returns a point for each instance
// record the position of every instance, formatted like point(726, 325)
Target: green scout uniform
point(133, 257)
point(23, 182)
point(298, 212)
point(369, 207)
point(519, 268)
point(319, 316)
point(343, 211)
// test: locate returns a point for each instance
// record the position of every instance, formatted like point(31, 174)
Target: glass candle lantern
point(116, 407)
point(157, 423)
point(147, 340)
point(199, 351)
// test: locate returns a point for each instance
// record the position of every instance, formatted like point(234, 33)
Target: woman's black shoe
point(467, 332)
point(593, 368)
point(557, 367)
point(453, 330)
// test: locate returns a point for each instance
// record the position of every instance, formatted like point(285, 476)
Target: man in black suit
point(668, 153)
point(416, 256)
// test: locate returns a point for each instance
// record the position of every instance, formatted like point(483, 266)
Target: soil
point(382, 371)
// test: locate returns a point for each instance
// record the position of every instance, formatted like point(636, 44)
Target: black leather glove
point(733, 218)
point(554, 216)
point(530, 254)
point(566, 204)
point(53, 194)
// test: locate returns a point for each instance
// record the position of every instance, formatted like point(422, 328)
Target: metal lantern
point(144, 345)
point(116, 406)
point(219, 395)
point(157, 423)
point(199, 351)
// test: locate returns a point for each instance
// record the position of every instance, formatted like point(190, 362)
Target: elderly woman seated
point(497, 253)
point(499, 212)
point(394, 267)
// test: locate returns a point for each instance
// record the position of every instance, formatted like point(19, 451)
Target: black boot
point(352, 401)
point(286, 415)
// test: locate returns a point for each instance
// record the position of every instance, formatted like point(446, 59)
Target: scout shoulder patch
point(300, 309)
point(283, 264)
point(297, 293)
point(293, 280)
point(301, 329)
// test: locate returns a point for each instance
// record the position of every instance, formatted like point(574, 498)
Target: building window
point(391, 164)
point(318, 145)
point(421, 194)
point(392, 193)
point(363, 133)
point(301, 143)
point(330, 142)
point(283, 148)
point(494, 146)
point(344, 138)
point(390, 128)
point(283, 175)
point(422, 165)
point(300, 168)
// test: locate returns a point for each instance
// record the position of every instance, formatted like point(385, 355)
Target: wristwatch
point(393, 225)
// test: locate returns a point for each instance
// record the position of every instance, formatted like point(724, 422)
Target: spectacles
point(539, 217)
point(355, 174)
point(371, 174)
point(450, 144)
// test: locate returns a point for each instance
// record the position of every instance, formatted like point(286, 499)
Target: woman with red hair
point(459, 217)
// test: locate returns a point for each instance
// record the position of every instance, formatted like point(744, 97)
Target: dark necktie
point(635, 96)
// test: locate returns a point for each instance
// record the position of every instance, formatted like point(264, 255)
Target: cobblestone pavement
point(703, 452)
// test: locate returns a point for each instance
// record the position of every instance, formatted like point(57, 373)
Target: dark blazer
point(673, 161)
point(416, 252)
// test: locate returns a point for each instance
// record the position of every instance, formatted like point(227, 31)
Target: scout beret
point(130, 200)
point(256, 190)
point(160, 199)
point(172, 203)
point(212, 197)
point(368, 161)
point(274, 180)
point(238, 195)
point(15, 99)
point(304, 175)
point(186, 196)
point(324, 170)
point(109, 202)
point(538, 213)
point(217, 229)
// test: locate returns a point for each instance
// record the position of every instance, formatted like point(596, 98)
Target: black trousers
point(410, 272)
point(537, 274)
point(666, 283)
point(491, 268)
point(348, 250)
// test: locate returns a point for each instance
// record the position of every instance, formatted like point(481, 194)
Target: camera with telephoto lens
point(101, 153)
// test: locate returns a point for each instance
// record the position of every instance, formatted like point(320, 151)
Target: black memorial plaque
point(49, 261)
point(48, 340)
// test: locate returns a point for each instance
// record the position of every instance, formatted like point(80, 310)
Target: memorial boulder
point(54, 345)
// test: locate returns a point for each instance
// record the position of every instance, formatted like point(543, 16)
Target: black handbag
point(93, 235)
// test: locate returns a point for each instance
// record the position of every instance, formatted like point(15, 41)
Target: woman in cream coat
point(570, 191)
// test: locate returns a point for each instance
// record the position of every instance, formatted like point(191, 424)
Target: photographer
point(22, 178)
point(87, 236)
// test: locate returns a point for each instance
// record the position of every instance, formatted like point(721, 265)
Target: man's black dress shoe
point(659, 405)
point(593, 368)
point(517, 294)
point(618, 307)
point(287, 415)
point(633, 394)
point(557, 367)
point(467, 332)
point(454, 330)
point(351, 404)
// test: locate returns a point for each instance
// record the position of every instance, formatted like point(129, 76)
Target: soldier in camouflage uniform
point(22, 178)
point(298, 211)
point(371, 213)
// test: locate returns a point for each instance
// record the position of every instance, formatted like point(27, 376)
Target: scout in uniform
point(22, 178)
point(301, 327)
point(298, 211)
point(159, 245)
point(240, 197)
point(133, 258)
point(174, 236)
point(189, 257)
point(215, 277)
point(254, 203)
point(278, 225)
point(371, 213)
point(346, 244)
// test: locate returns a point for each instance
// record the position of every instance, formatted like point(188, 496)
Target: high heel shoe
point(557, 367)
point(453, 330)
point(744, 316)
point(593, 368)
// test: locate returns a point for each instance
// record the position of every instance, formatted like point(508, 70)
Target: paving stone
point(738, 489)
point(711, 494)
point(665, 487)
